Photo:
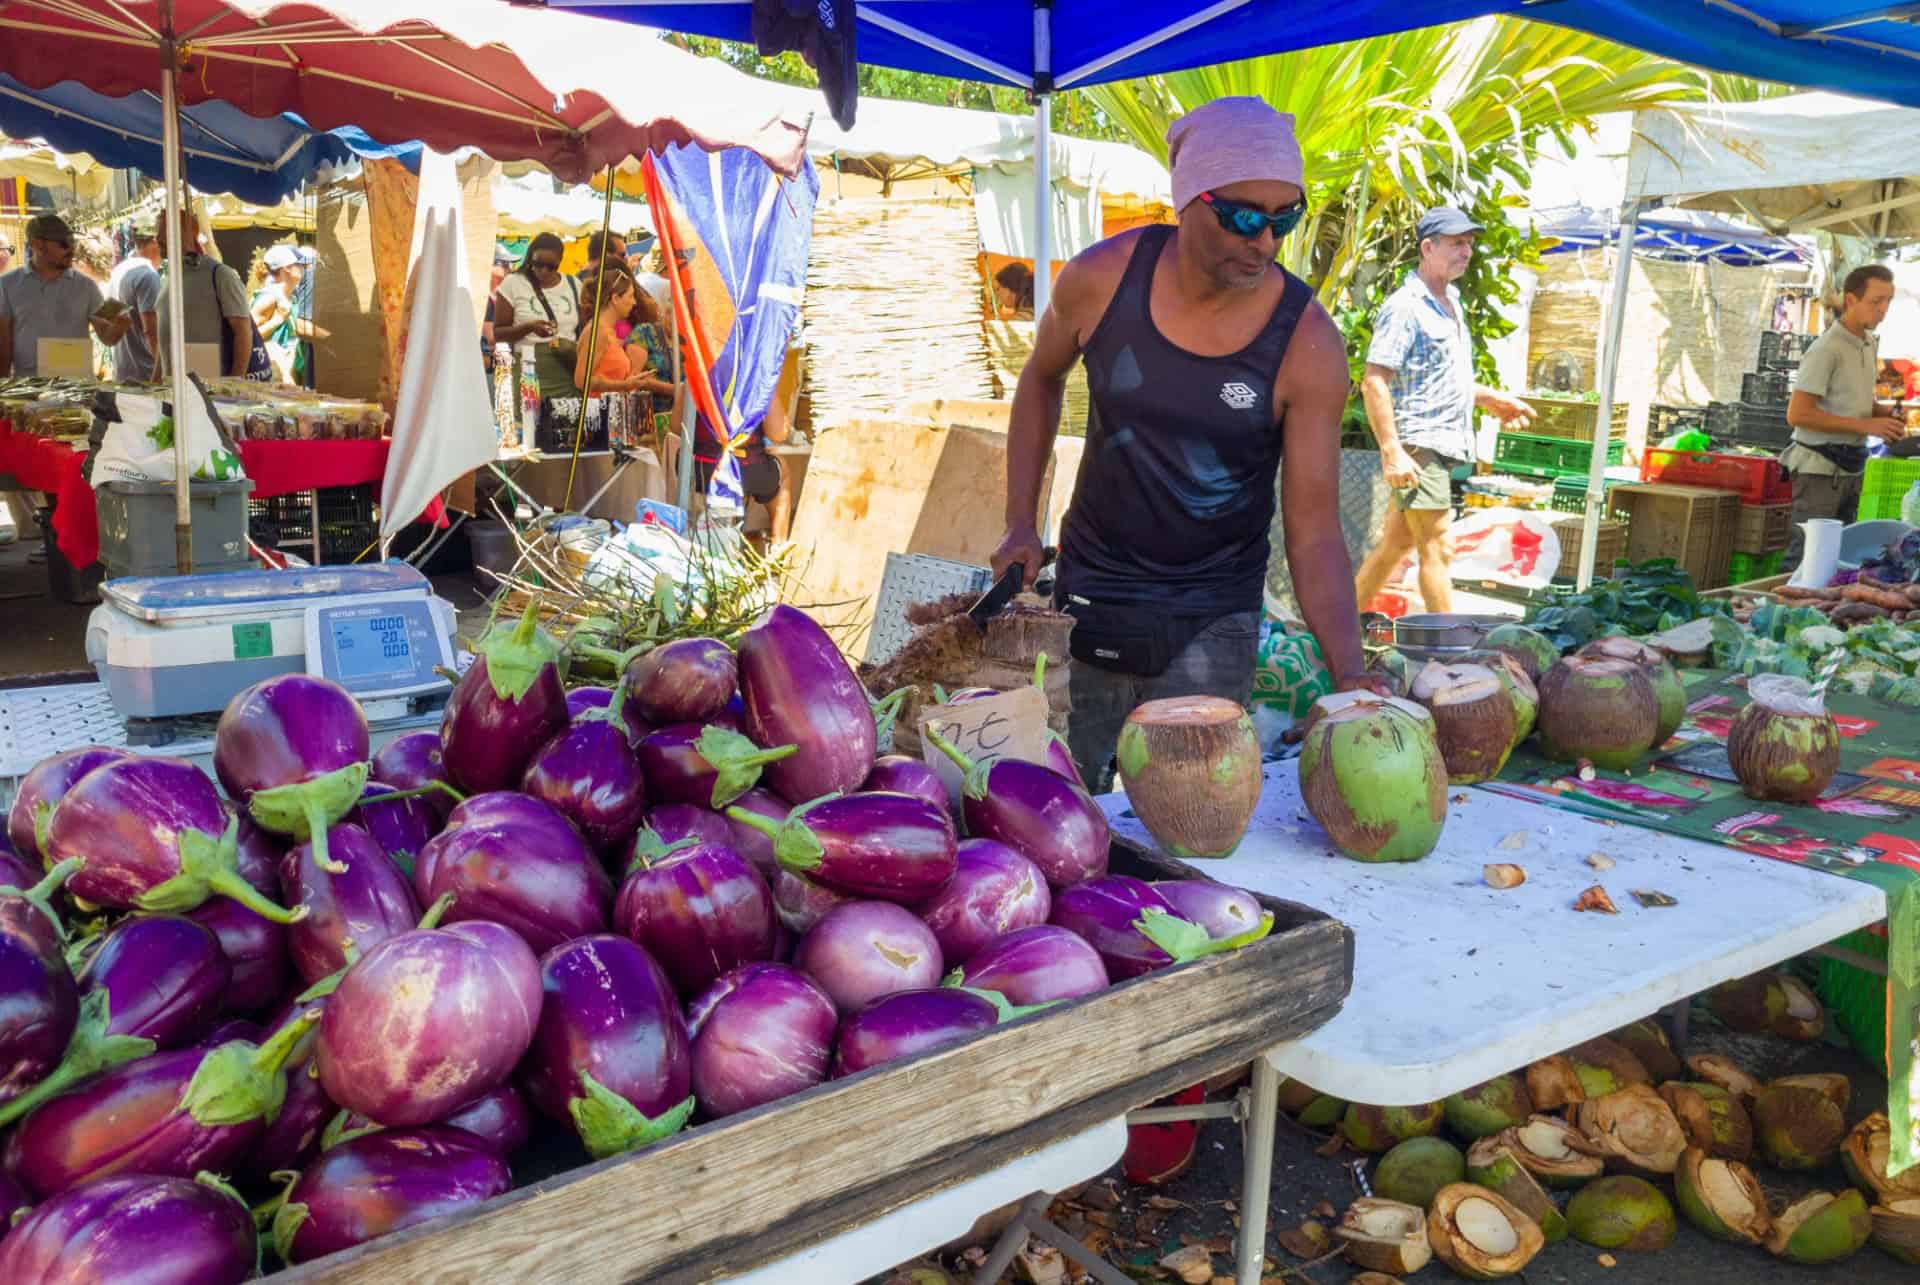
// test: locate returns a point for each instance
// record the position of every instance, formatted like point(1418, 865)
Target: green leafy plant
point(1642, 598)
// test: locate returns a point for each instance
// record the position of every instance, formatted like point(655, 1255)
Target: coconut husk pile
point(948, 650)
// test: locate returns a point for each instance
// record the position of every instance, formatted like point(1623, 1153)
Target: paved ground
point(1203, 1205)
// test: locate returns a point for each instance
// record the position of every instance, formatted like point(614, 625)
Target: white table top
point(1455, 982)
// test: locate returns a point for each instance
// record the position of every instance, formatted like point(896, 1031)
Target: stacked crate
point(1764, 522)
point(1693, 525)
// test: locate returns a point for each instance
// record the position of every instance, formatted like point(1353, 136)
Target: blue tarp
point(1870, 53)
point(1682, 235)
point(261, 161)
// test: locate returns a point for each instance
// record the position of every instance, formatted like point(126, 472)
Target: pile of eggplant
point(330, 995)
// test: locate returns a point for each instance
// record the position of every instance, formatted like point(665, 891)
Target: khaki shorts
point(1433, 486)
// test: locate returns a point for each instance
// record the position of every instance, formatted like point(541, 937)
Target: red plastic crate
point(1759, 479)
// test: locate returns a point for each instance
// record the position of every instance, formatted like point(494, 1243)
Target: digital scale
point(166, 646)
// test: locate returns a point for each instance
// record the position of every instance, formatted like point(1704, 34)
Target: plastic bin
point(1885, 483)
point(1758, 479)
point(1572, 418)
point(1744, 567)
point(1764, 529)
point(1766, 387)
point(136, 526)
point(1548, 456)
point(1782, 349)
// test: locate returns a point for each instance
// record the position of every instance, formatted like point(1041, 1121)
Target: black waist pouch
point(1848, 459)
point(1127, 639)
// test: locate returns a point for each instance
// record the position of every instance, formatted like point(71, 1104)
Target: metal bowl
point(1441, 631)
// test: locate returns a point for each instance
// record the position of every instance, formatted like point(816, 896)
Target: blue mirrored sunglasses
point(1250, 222)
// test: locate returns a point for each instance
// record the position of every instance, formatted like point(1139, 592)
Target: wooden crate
point(1610, 545)
point(1572, 418)
point(1763, 528)
point(734, 1194)
point(1690, 524)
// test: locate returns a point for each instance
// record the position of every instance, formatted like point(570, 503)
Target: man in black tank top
point(1203, 356)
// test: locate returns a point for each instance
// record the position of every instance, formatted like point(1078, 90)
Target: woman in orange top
point(613, 371)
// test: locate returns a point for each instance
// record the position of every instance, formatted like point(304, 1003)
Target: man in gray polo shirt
point(46, 302)
point(1832, 410)
point(219, 327)
point(1420, 397)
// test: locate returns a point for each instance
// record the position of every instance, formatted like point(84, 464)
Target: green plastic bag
point(1289, 673)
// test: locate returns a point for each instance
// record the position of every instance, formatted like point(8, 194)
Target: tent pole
point(176, 296)
point(1609, 373)
point(1042, 156)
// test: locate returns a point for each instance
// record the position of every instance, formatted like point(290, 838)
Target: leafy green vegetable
point(1644, 598)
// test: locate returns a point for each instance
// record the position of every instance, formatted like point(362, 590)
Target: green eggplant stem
point(230, 884)
point(948, 748)
point(91, 1050)
point(264, 1211)
point(395, 796)
point(753, 820)
point(435, 912)
point(529, 621)
point(279, 1047)
point(451, 675)
point(645, 860)
point(1040, 671)
point(317, 836)
point(41, 894)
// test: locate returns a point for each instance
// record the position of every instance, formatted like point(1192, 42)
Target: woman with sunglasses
point(1204, 358)
point(536, 308)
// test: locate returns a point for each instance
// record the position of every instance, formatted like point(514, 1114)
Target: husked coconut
point(1478, 1233)
point(1474, 716)
point(1896, 1228)
point(1597, 709)
point(1372, 775)
point(1491, 1164)
point(1769, 1003)
point(1520, 686)
point(1586, 1070)
point(1717, 1070)
point(1552, 1150)
point(1784, 745)
point(1865, 1153)
point(1797, 1126)
point(1669, 692)
point(1821, 1228)
point(1713, 1118)
point(1835, 1086)
point(1385, 1236)
point(1721, 1198)
point(1648, 1042)
point(1191, 766)
point(1633, 1127)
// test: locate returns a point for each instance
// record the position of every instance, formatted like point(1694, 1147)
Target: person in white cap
point(1420, 396)
point(274, 311)
point(1204, 360)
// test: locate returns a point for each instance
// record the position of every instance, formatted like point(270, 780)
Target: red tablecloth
point(277, 468)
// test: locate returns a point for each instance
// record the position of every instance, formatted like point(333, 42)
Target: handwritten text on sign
point(1012, 725)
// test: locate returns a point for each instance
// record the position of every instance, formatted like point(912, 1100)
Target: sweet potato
point(1848, 614)
point(1878, 597)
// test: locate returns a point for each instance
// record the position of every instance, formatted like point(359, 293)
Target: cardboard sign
point(65, 358)
point(1012, 725)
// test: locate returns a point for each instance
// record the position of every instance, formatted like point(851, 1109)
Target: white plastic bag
point(138, 444)
point(1514, 547)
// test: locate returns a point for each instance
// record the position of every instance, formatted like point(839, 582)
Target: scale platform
point(170, 646)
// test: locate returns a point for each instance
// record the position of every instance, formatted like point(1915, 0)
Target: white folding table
point(1455, 982)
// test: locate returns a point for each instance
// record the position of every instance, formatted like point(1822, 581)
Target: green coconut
point(1621, 1212)
point(1784, 745)
point(1394, 666)
point(1295, 1096)
point(1769, 1003)
point(1486, 1109)
point(1713, 1118)
point(1821, 1228)
point(1589, 1069)
point(1372, 775)
point(1415, 1169)
point(1535, 652)
point(1668, 690)
point(1797, 1126)
point(1378, 1129)
point(1646, 1041)
point(1520, 686)
point(1492, 1164)
point(1721, 1198)
point(1896, 1228)
point(1596, 709)
point(1323, 1112)
point(1479, 1234)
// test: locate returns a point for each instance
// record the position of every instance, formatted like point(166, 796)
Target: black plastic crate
point(1782, 349)
point(1763, 426)
point(1766, 387)
point(347, 521)
point(1664, 421)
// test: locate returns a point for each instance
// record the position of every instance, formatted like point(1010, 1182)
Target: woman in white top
point(538, 308)
point(272, 308)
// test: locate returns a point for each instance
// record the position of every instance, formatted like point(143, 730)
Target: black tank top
point(1175, 492)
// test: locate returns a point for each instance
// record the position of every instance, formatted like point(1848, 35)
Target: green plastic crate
point(1886, 483)
point(1548, 456)
point(1743, 567)
point(1570, 492)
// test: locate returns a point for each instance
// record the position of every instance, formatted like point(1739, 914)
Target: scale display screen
point(377, 647)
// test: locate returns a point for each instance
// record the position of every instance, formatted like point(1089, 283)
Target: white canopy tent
point(42, 166)
point(1798, 164)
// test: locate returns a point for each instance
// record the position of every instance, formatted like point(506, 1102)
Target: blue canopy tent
point(258, 160)
point(1678, 235)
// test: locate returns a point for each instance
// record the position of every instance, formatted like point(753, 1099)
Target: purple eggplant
point(233, 1028)
point(429, 1020)
point(799, 903)
point(759, 1033)
point(293, 750)
point(172, 1114)
point(383, 1182)
point(400, 826)
point(165, 977)
point(994, 890)
point(891, 847)
point(1222, 910)
point(154, 835)
point(39, 1003)
point(699, 911)
point(900, 774)
point(354, 900)
point(962, 695)
point(15, 872)
point(414, 762)
point(256, 951)
point(581, 700)
point(1035, 965)
point(611, 1056)
point(1135, 929)
point(498, 1117)
point(797, 689)
point(1059, 759)
point(41, 790)
point(516, 861)
point(750, 843)
point(1038, 813)
point(14, 1201)
point(707, 766)
point(906, 1023)
point(669, 823)
point(138, 1229)
point(592, 776)
point(866, 949)
point(292, 1136)
point(257, 854)
point(732, 716)
point(506, 706)
point(689, 680)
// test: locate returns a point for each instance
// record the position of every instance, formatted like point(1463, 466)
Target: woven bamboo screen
point(893, 307)
point(1012, 342)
